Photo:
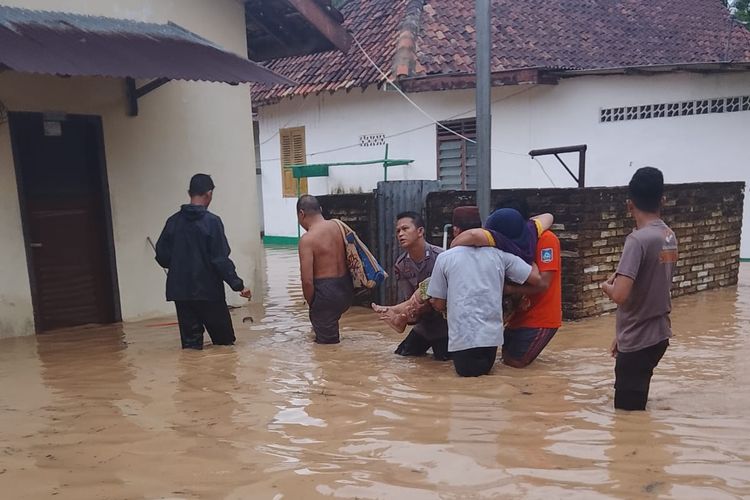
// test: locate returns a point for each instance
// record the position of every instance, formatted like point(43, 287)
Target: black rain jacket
point(194, 248)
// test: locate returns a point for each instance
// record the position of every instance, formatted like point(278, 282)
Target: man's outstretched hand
point(246, 293)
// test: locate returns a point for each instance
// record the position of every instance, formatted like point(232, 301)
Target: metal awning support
point(134, 93)
point(580, 149)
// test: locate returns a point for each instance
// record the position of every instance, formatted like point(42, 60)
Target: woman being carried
point(505, 229)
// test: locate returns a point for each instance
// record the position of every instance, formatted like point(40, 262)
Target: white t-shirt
point(471, 280)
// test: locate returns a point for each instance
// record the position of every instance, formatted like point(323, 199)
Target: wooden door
point(66, 219)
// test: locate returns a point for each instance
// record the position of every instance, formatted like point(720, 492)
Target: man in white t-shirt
point(469, 282)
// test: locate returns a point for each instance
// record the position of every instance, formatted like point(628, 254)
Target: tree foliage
point(740, 9)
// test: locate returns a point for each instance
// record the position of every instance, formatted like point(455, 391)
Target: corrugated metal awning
point(60, 43)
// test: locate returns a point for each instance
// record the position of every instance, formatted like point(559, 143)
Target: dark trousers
point(415, 344)
point(633, 372)
point(430, 332)
point(474, 362)
point(197, 316)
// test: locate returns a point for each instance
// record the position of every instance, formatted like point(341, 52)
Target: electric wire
point(415, 105)
point(433, 120)
point(545, 172)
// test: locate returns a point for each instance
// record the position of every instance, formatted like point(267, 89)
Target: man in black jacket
point(195, 250)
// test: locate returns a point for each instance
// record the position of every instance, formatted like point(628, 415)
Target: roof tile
point(571, 34)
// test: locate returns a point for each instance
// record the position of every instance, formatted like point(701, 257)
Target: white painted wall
point(183, 128)
point(16, 311)
point(686, 149)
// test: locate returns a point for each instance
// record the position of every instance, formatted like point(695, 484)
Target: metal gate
point(391, 198)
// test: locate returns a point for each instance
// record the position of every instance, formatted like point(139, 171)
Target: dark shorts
point(197, 316)
point(333, 297)
point(522, 345)
point(474, 362)
point(633, 372)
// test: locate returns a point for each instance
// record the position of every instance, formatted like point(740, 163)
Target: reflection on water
point(122, 412)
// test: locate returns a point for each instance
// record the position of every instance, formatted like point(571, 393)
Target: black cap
point(200, 184)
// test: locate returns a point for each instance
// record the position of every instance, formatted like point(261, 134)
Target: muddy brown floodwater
point(121, 412)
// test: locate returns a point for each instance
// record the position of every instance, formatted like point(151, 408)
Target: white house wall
point(183, 128)
point(687, 149)
point(16, 311)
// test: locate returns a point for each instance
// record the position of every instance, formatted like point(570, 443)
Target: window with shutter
point(456, 157)
point(292, 153)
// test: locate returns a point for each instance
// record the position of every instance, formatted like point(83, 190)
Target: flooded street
point(122, 413)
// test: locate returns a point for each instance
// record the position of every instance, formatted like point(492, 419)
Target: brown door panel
point(65, 206)
point(69, 262)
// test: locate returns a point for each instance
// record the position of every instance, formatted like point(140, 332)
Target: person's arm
point(535, 278)
point(543, 222)
point(519, 272)
point(306, 269)
point(528, 289)
point(473, 238)
point(620, 284)
point(438, 287)
point(219, 254)
point(439, 305)
point(404, 290)
point(618, 288)
point(164, 246)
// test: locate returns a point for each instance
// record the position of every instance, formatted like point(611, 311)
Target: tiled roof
point(582, 34)
point(375, 23)
point(566, 34)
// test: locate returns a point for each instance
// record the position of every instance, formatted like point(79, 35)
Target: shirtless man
point(326, 282)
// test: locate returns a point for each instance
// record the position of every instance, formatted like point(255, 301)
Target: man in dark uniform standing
point(194, 248)
point(414, 266)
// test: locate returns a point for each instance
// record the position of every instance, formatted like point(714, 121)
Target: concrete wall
point(687, 149)
point(183, 128)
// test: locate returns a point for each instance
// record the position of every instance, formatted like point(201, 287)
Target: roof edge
point(269, 97)
point(696, 67)
point(118, 48)
point(550, 75)
point(526, 76)
point(460, 81)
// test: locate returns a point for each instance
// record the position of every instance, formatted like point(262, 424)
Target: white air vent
point(369, 140)
point(674, 109)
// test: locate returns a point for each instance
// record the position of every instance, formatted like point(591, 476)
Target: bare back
point(327, 244)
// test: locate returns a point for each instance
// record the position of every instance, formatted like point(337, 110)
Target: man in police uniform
point(414, 266)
